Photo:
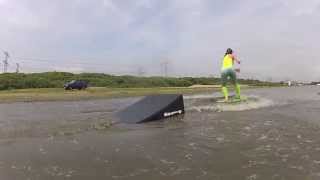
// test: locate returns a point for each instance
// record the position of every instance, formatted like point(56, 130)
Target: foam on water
point(202, 103)
point(201, 96)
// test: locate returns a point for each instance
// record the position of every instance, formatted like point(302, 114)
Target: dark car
point(76, 84)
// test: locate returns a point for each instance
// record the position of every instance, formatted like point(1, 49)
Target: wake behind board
point(219, 100)
point(217, 104)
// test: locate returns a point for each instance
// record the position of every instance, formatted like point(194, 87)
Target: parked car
point(76, 84)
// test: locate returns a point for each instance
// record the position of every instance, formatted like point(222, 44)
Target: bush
point(58, 79)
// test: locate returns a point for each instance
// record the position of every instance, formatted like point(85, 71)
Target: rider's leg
point(224, 80)
point(236, 85)
point(225, 93)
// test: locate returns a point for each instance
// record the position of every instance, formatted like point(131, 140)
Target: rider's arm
point(234, 57)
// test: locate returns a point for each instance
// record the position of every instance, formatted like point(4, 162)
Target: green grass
point(59, 94)
point(9, 81)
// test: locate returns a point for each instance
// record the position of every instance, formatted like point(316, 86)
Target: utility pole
point(164, 66)
point(5, 61)
point(17, 68)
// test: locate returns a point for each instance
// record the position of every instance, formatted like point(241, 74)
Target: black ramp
point(152, 108)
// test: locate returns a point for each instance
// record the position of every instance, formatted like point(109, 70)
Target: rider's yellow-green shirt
point(227, 62)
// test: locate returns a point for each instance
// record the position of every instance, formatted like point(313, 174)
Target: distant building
point(315, 83)
point(295, 83)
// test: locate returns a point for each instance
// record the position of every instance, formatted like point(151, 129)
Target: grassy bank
point(11, 81)
point(59, 94)
point(19, 87)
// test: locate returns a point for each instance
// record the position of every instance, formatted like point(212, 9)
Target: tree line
point(58, 79)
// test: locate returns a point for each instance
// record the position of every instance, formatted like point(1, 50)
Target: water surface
point(275, 137)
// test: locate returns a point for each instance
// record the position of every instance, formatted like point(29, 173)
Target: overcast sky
point(276, 39)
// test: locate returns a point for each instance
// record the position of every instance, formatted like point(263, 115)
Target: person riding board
point(228, 72)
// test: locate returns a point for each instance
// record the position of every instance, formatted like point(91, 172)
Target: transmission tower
point(17, 67)
point(5, 61)
point(164, 66)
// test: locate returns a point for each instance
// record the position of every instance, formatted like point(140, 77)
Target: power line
point(46, 64)
point(43, 60)
point(39, 63)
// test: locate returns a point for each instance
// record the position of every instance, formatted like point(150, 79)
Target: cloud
point(299, 8)
point(2, 2)
point(275, 38)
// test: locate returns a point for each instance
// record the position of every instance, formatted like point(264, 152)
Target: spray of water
point(203, 103)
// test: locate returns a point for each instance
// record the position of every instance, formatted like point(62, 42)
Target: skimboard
point(233, 100)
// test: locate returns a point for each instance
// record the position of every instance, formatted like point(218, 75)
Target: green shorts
point(228, 74)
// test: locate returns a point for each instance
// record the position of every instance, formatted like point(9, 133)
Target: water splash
point(202, 103)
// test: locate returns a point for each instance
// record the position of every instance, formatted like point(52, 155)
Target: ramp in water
point(152, 108)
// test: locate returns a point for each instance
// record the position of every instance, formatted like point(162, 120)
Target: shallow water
point(274, 137)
